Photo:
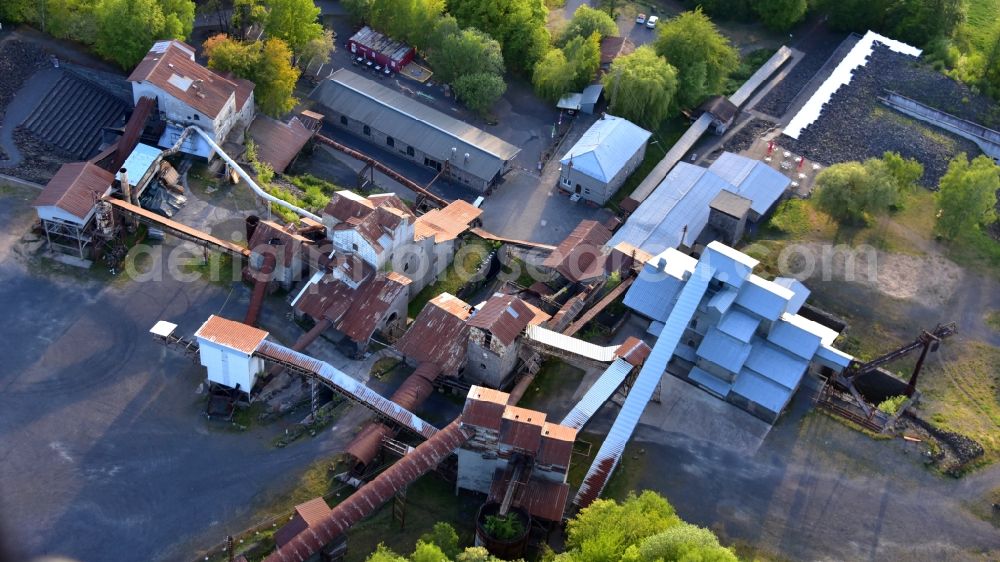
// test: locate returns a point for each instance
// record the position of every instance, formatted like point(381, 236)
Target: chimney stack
point(126, 188)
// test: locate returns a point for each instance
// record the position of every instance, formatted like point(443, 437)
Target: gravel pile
point(18, 61)
point(957, 450)
point(41, 159)
point(854, 125)
point(744, 137)
point(776, 102)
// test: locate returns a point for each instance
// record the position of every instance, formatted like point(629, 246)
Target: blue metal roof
point(710, 382)
point(598, 393)
point(739, 325)
point(777, 365)
point(763, 297)
point(606, 147)
point(653, 294)
point(140, 161)
point(731, 266)
point(794, 338)
point(761, 391)
point(752, 179)
point(725, 351)
point(795, 286)
point(681, 200)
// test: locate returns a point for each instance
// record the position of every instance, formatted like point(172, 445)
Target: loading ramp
point(179, 230)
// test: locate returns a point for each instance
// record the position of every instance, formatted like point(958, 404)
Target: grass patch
point(250, 415)
point(553, 377)
point(428, 501)
point(626, 476)
point(524, 277)
point(384, 366)
point(992, 320)
point(980, 16)
point(960, 394)
point(664, 137)
point(472, 254)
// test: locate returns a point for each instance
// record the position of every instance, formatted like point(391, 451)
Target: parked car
point(651, 22)
point(640, 19)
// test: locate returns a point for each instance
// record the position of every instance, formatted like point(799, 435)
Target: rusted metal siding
point(366, 446)
point(372, 495)
point(346, 385)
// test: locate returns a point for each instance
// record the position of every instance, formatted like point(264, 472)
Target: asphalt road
point(105, 453)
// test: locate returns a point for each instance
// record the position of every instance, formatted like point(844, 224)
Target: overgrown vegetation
point(471, 256)
point(315, 191)
point(504, 527)
point(892, 404)
point(856, 192)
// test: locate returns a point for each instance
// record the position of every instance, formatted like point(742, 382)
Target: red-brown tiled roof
point(521, 428)
point(614, 47)
point(579, 256)
point(232, 334)
point(504, 316)
point(170, 65)
point(73, 188)
point(279, 143)
point(439, 334)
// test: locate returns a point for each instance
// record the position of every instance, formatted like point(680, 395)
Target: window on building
point(390, 141)
point(343, 120)
point(566, 182)
point(354, 247)
point(482, 366)
point(368, 130)
point(196, 117)
point(488, 339)
point(586, 190)
point(409, 151)
point(406, 266)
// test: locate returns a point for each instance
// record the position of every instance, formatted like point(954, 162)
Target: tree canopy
point(855, 191)
point(780, 15)
point(412, 21)
point(246, 14)
point(641, 87)
point(470, 60)
point(702, 56)
point(586, 21)
point(126, 29)
point(913, 21)
point(268, 64)
point(519, 26)
point(568, 69)
point(294, 22)
point(968, 195)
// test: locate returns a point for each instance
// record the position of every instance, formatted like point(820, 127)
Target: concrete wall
point(176, 110)
point(732, 227)
point(490, 364)
point(401, 147)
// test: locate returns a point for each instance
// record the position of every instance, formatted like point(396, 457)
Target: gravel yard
point(854, 125)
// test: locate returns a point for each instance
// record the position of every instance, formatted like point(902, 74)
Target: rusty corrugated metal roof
point(268, 232)
point(372, 495)
point(170, 66)
point(545, 499)
point(370, 304)
point(484, 407)
point(556, 447)
point(521, 428)
point(232, 334)
point(278, 143)
point(633, 350)
point(74, 187)
point(504, 316)
point(368, 442)
point(447, 223)
point(439, 334)
point(580, 255)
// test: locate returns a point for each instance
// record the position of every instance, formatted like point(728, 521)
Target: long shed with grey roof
point(416, 131)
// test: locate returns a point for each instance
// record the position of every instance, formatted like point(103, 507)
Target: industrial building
point(676, 213)
point(438, 335)
point(385, 51)
point(584, 102)
point(494, 331)
point(598, 164)
point(581, 257)
point(746, 341)
point(389, 119)
point(187, 93)
point(278, 143)
point(66, 206)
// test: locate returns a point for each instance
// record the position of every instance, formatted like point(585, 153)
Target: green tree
point(685, 542)
point(919, 21)
point(967, 195)
point(385, 554)
point(905, 172)
point(412, 21)
point(476, 554)
point(268, 64)
point(72, 19)
point(584, 55)
point(849, 192)
point(444, 537)
point(702, 56)
point(587, 20)
point(428, 552)
point(553, 76)
point(479, 91)
point(127, 29)
point(856, 15)
point(19, 11)
point(606, 529)
point(246, 14)
point(641, 87)
point(294, 22)
point(178, 18)
point(518, 25)
point(468, 51)
point(780, 15)
point(318, 50)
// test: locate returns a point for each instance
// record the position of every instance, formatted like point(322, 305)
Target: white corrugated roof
point(842, 74)
point(606, 147)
